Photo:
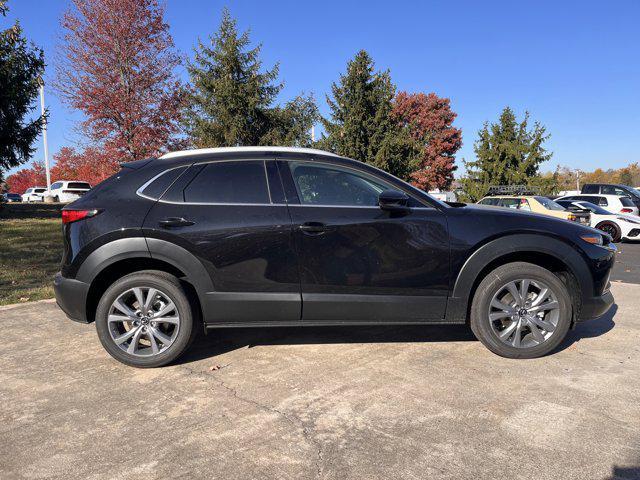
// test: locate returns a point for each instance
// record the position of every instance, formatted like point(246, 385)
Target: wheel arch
point(548, 252)
point(124, 256)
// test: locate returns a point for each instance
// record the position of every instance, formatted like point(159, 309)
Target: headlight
point(592, 238)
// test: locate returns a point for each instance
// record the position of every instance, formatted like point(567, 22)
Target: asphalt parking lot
point(627, 267)
point(369, 402)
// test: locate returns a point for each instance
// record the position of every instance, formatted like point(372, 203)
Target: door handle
point(314, 228)
point(175, 222)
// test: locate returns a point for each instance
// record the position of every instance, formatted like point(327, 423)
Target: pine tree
point(21, 67)
point(361, 126)
point(507, 153)
point(231, 98)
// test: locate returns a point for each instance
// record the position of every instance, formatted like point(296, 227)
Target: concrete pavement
point(370, 403)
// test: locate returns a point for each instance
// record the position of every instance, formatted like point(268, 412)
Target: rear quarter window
point(627, 202)
point(158, 185)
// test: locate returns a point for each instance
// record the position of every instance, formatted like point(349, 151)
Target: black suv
point(280, 237)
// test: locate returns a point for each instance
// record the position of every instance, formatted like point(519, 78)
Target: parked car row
point(614, 209)
point(63, 191)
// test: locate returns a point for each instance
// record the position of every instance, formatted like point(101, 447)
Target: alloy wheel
point(143, 321)
point(524, 313)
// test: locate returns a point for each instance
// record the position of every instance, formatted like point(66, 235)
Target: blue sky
point(574, 65)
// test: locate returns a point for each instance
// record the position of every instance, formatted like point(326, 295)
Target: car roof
point(223, 150)
point(607, 195)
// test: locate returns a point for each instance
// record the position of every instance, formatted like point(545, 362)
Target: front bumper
point(71, 297)
point(595, 307)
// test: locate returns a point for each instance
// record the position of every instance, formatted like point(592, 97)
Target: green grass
point(30, 251)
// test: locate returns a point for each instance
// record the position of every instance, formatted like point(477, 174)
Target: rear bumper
point(71, 297)
point(595, 307)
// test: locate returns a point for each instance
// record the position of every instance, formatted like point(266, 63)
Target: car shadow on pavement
point(223, 340)
point(590, 329)
point(219, 341)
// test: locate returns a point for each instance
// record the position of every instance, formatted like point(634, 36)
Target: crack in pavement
point(292, 420)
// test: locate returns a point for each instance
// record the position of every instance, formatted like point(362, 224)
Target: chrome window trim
point(150, 181)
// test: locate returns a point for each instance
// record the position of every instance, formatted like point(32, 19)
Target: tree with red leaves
point(91, 165)
point(26, 178)
point(117, 68)
point(429, 119)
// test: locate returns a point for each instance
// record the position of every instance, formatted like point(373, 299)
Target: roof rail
point(513, 190)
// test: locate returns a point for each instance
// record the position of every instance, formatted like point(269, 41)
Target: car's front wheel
point(145, 319)
point(521, 310)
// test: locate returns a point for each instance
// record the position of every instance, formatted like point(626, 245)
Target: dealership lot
point(383, 402)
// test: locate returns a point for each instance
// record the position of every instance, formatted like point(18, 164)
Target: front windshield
point(549, 204)
point(594, 208)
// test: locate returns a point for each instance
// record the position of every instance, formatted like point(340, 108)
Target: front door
point(358, 262)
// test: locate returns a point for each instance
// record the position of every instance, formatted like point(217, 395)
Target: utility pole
point(44, 137)
point(577, 179)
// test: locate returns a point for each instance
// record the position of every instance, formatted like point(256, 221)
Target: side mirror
point(393, 200)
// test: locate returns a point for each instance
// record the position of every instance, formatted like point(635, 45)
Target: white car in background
point(618, 226)
point(612, 203)
point(68, 190)
point(34, 194)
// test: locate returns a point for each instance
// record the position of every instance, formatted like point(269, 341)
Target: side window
point(157, 187)
point(321, 184)
point(510, 202)
point(524, 205)
point(626, 202)
point(229, 182)
point(602, 201)
point(590, 189)
point(56, 185)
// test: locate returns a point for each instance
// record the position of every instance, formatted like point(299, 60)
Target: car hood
point(513, 219)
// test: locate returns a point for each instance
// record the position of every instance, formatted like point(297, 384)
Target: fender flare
point(461, 296)
point(152, 248)
point(110, 253)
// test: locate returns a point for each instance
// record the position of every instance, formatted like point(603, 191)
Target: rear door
point(359, 263)
point(232, 216)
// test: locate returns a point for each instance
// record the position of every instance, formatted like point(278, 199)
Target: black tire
point(612, 229)
point(56, 199)
point(491, 285)
point(188, 327)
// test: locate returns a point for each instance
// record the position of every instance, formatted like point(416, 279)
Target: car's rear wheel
point(521, 310)
point(611, 229)
point(145, 319)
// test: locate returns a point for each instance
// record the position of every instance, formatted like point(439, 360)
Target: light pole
point(44, 137)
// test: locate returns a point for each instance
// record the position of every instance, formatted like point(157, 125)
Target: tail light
point(572, 217)
point(70, 216)
point(626, 210)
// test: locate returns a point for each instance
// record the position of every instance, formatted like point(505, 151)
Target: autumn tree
point(33, 176)
point(117, 68)
point(507, 152)
point(231, 100)
point(429, 119)
point(21, 67)
point(90, 164)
